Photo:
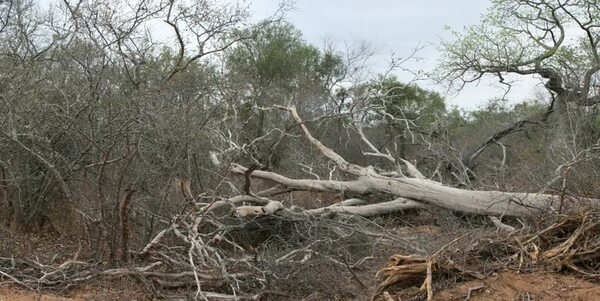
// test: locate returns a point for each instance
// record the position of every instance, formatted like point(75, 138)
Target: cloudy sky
point(397, 26)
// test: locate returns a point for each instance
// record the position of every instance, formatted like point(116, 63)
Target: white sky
point(398, 26)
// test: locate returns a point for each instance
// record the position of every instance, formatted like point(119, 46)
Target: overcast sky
point(397, 26)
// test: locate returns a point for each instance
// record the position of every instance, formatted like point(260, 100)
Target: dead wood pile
point(566, 242)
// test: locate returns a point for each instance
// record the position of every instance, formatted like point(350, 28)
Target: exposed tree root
point(570, 241)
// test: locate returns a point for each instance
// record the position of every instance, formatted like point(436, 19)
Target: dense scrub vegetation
point(120, 117)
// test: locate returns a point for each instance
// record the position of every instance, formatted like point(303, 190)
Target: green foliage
point(278, 57)
point(406, 101)
point(523, 37)
point(275, 66)
point(499, 109)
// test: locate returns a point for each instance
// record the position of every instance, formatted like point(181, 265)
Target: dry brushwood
point(409, 270)
point(569, 241)
point(223, 257)
point(179, 256)
point(405, 269)
point(572, 242)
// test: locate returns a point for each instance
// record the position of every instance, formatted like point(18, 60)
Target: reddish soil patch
point(504, 286)
point(11, 294)
point(516, 286)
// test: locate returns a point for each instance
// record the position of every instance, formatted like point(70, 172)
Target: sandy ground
point(501, 287)
point(11, 293)
point(515, 286)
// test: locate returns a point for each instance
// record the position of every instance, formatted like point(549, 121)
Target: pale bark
point(417, 190)
point(351, 206)
point(500, 225)
point(268, 209)
point(396, 205)
point(424, 191)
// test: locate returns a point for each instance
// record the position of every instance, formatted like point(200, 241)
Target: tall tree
point(277, 63)
point(401, 110)
point(273, 67)
point(551, 39)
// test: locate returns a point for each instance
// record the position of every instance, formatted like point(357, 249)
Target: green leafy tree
point(400, 110)
point(275, 66)
point(554, 40)
point(408, 102)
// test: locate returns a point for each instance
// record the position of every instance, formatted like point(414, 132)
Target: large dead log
point(415, 190)
point(423, 191)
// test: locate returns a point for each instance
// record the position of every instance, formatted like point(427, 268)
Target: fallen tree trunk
point(423, 191)
point(416, 189)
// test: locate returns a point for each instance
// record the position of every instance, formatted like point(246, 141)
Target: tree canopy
point(555, 40)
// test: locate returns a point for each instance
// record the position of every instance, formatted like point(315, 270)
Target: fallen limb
point(396, 205)
point(415, 188)
point(422, 190)
point(270, 208)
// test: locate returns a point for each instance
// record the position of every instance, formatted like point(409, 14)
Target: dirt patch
point(12, 294)
point(519, 286)
point(123, 291)
point(500, 287)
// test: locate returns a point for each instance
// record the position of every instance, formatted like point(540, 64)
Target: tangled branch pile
point(211, 256)
point(190, 252)
point(567, 241)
